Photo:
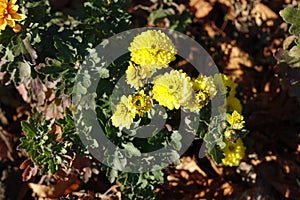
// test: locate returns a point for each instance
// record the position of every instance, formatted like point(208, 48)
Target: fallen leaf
point(201, 8)
point(30, 169)
point(265, 14)
point(58, 190)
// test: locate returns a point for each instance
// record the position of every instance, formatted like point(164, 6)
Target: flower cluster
point(9, 15)
point(128, 108)
point(155, 82)
point(173, 89)
point(151, 51)
point(234, 150)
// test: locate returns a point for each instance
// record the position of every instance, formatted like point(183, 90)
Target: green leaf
point(112, 175)
point(288, 41)
point(160, 13)
point(52, 167)
point(295, 52)
point(131, 149)
point(180, 22)
point(216, 155)
point(242, 133)
point(29, 129)
point(292, 16)
point(80, 89)
point(158, 175)
point(22, 73)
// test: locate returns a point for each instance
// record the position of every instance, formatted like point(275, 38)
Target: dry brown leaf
point(264, 13)
point(29, 168)
point(23, 92)
point(187, 163)
point(56, 191)
point(201, 8)
point(57, 130)
point(236, 58)
point(38, 91)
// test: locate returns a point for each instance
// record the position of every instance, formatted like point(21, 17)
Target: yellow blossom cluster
point(149, 51)
point(234, 152)
point(237, 123)
point(173, 89)
point(128, 108)
point(176, 89)
point(152, 48)
point(205, 90)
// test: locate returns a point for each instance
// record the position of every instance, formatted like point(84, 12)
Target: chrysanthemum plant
point(155, 82)
point(42, 56)
point(289, 56)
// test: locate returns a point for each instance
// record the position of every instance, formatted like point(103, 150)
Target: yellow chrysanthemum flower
point(205, 90)
point(8, 14)
point(234, 153)
point(225, 84)
point(152, 48)
point(233, 103)
point(173, 89)
point(140, 102)
point(135, 74)
point(124, 113)
point(236, 120)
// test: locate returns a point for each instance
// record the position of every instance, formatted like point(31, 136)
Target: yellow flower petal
point(124, 114)
point(152, 47)
point(205, 90)
point(8, 14)
point(136, 73)
point(236, 120)
point(234, 152)
point(173, 89)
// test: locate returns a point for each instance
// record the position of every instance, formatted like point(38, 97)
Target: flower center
point(231, 148)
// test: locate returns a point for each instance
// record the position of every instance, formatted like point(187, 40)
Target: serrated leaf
point(29, 130)
point(158, 175)
point(292, 16)
point(295, 29)
point(51, 70)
